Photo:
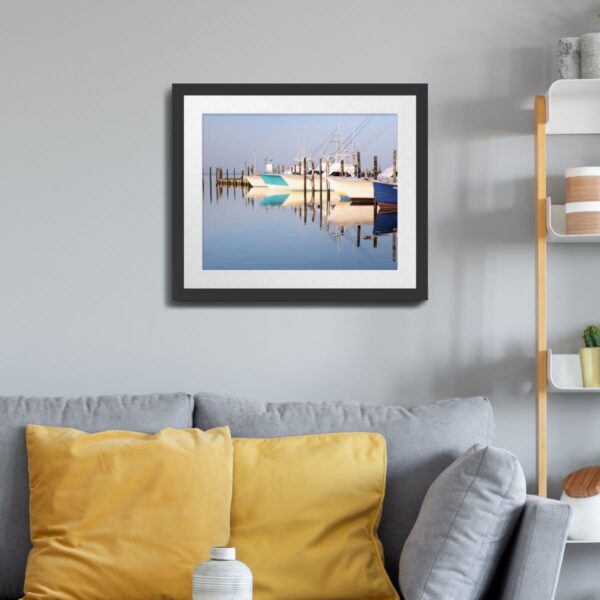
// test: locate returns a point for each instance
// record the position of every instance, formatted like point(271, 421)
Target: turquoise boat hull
point(274, 181)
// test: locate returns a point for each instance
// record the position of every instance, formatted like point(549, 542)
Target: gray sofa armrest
point(531, 564)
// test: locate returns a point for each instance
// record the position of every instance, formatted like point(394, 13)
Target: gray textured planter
point(569, 58)
point(590, 55)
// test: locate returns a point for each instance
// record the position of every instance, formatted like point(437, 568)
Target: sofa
point(421, 443)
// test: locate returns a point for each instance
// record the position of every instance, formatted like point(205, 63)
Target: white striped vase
point(582, 209)
point(222, 577)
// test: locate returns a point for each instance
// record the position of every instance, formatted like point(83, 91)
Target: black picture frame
point(299, 295)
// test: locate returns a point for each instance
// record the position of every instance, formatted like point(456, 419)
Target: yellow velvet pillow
point(124, 516)
point(305, 513)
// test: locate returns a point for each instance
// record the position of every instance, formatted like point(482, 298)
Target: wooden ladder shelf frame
point(570, 107)
point(541, 249)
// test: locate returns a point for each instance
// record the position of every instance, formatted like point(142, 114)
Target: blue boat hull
point(386, 194)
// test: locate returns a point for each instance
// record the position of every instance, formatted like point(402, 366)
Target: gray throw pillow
point(466, 520)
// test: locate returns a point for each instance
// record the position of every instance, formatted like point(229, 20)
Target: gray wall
point(84, 193)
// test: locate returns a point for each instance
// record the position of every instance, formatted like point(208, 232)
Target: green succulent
point(591, 337)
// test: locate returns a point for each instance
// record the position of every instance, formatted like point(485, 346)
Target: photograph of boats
point(311, 208)
point(299, 192)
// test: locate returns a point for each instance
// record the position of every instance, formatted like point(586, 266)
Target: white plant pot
point(585, 521)
point(222, 577)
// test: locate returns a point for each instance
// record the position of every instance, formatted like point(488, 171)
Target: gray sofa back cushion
point(421, 443)
point(466, 521)
point(135, 413)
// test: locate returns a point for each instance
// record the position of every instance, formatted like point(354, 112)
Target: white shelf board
point(557, 229)
point(564, 374)
point(573, 106)
point(583, 541)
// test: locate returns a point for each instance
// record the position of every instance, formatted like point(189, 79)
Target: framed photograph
point(299, 193)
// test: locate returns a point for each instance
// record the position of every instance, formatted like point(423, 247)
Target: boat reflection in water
point(386, 221)
point(266, 228)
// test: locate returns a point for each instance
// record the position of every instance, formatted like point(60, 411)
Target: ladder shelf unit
point(571, 106)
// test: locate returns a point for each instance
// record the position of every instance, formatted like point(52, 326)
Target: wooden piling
point(304, 172)
point(374, 208)
point(342, 168)
point(305, 199)
point(375, 170)
point(394, 167)
point(321, 208)
point(312, 175)
point(226, 181)
point(358, 164)
point(328, 198)
point(321, 175)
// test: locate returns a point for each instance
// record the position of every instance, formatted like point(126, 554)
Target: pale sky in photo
point(231, 140)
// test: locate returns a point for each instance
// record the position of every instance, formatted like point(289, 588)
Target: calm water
point(257, 229)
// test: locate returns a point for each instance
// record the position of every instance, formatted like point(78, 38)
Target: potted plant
point(590, 357)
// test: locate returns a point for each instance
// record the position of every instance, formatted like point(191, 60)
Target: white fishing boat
point(341, 164)
point(386, 176)
point(338, 159)
point(359, 188)
point(254, 180)
point(296, 182)
point(353, 187)
point(339, 156)
point(269, 178)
